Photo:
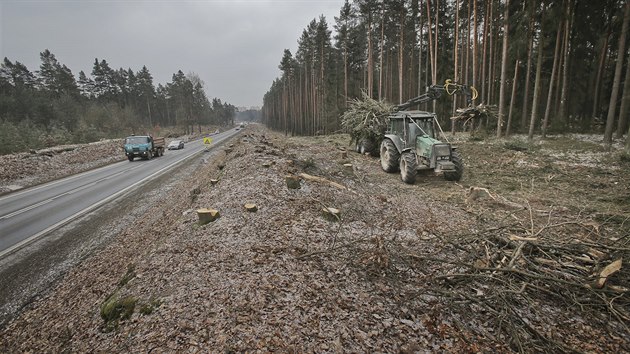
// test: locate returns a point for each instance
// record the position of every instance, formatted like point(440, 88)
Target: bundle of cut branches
point(366, 118)
point(489, 112)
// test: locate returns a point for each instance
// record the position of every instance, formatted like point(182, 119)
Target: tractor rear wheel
point(389, 156)
point(456, 175)
point(408, 165)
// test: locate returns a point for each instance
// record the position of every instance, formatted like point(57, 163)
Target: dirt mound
point(507, 260)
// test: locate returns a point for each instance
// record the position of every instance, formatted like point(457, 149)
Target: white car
point(176, 145)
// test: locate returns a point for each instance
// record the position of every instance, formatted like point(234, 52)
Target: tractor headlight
point(442, 151)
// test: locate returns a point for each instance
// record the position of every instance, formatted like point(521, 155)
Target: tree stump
point(207, 215)
point(293, 182)
point(214, 181)
point(331, 214)
point(348, 169)
point(344, 154)
point(251, 207)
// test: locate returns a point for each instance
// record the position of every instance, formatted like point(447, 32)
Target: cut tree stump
point(214, 181)
point(251, 207)
point(331, 214)
point(207, 215)
point(293, 182)
point(344, 154)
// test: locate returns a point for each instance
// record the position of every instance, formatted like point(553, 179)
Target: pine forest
point(50, 107)
point(546, 66)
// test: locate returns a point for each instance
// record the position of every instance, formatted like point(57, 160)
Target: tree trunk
point(430, 40)
point(474, 51)
point(401, 57)
point(625, 105)
point(528, 67)
point(455, 53)
point(600, 72)
point(562, 113)
point(381, 44)
point(612, 107)
point(503, 68)
point(484, 79)
point(465, 68)
point(532, 121)
point(435, 43)
point(551, 81)
point(370, 64)
point(512, 99)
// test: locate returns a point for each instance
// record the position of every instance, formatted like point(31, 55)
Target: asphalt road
point(30, 214)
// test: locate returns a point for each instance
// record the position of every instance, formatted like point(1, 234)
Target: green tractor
point(410, 144)
point(411, 141)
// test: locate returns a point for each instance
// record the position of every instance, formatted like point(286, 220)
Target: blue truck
point(144, 146)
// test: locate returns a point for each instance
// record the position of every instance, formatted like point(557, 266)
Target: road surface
point(30, 214)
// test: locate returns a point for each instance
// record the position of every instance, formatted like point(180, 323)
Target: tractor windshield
point(426, 125)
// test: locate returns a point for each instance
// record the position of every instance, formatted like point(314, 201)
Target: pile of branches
point(474, 114)
point(534, 271)
point(366, 118)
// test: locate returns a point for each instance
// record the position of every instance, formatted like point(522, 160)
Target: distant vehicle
point(176, 145)
point(144, 146)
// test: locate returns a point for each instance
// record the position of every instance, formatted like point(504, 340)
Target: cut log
point(331, 214)
point(609, 270)
point(251, 207)
point(207, 215)
point(293, 182)
point(321, 180)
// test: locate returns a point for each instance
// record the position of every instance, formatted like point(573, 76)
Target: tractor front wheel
point(389, 156)
point(408, 165)
point(456, 175)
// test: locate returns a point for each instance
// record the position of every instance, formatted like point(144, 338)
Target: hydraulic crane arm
point(435, 91)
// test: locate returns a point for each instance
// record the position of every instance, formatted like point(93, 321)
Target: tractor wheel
point(456, 159)
point(367, 146)
point(130, 157)
point(408, 170)
point(149, 155)
point(389, 156)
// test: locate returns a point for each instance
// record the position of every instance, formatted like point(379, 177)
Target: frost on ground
point(26, 169)
point(509, 259)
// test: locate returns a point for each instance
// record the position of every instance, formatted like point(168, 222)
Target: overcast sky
point(234, 46)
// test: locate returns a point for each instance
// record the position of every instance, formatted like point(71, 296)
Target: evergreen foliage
point(52, 107)
point(393, 50)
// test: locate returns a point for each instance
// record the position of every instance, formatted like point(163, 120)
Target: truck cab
point(143, 146)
